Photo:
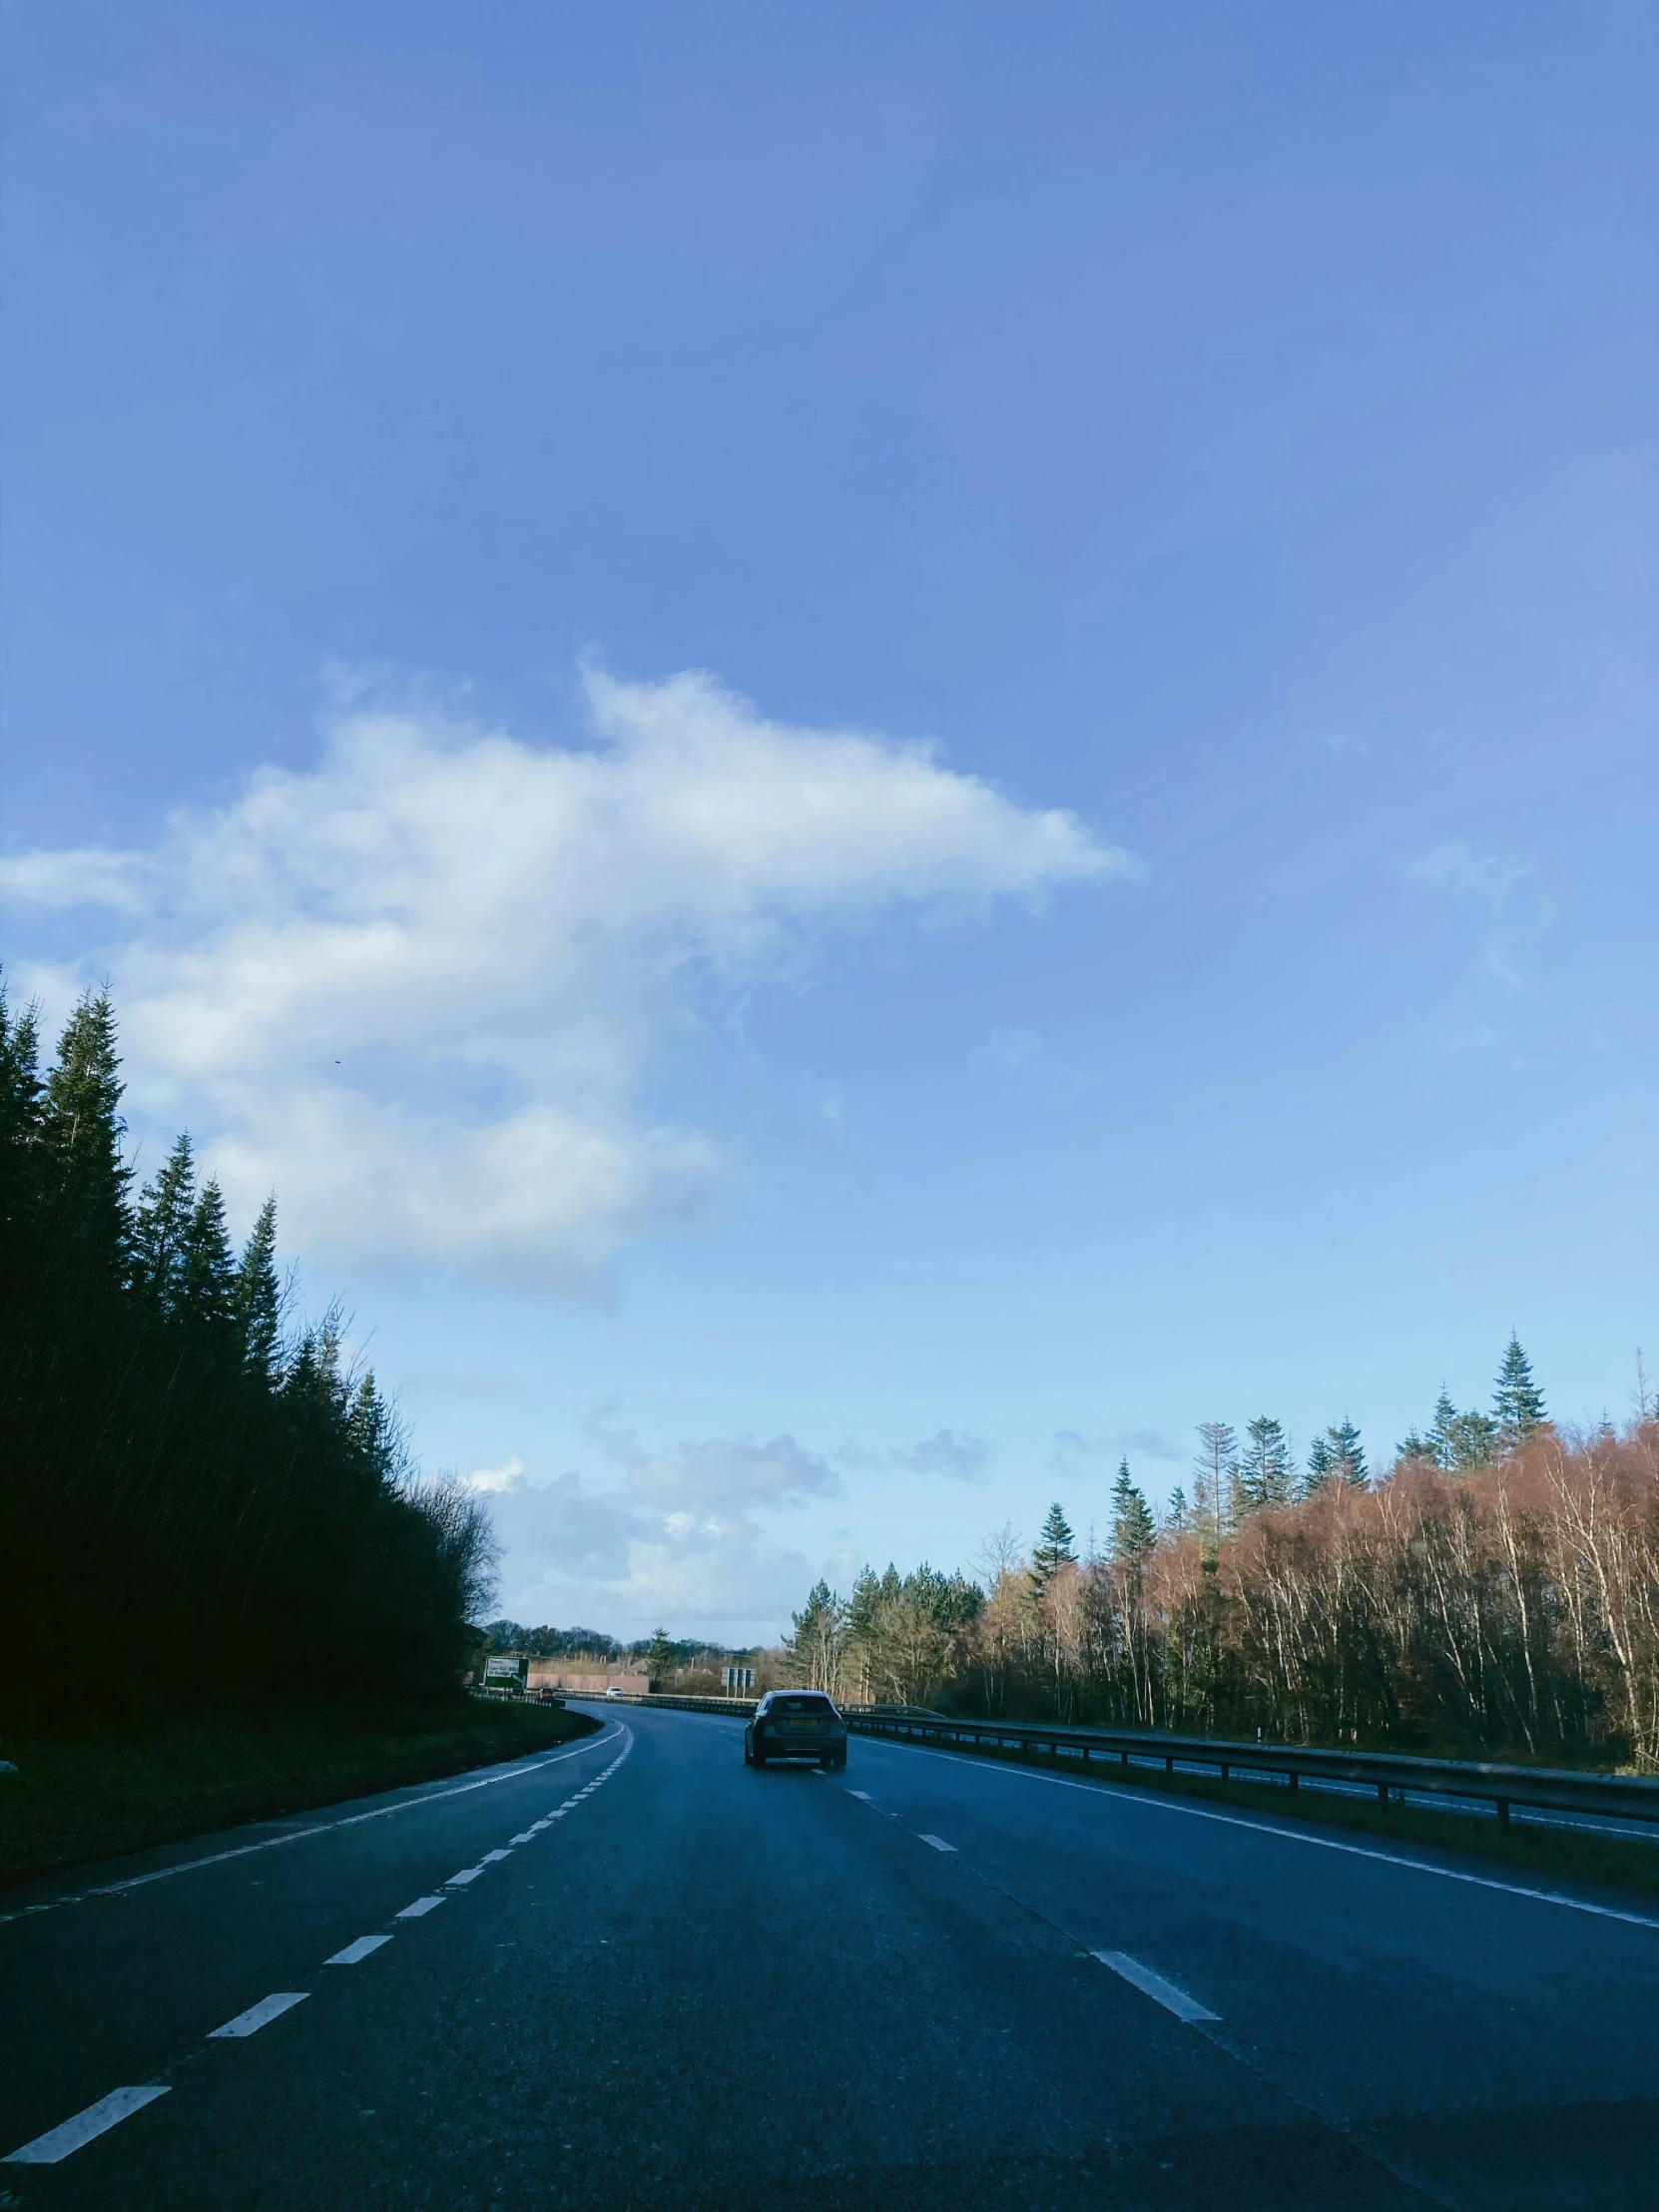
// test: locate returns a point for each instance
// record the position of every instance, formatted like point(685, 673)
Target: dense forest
point(202, 1509)
point(1495, 1592)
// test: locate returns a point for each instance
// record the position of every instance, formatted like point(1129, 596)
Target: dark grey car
point(795, 1724)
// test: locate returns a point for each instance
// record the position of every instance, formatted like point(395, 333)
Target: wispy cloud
point(418, 988)
point(1461, 866)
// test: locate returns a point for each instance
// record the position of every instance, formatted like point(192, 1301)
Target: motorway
point(633, 1974)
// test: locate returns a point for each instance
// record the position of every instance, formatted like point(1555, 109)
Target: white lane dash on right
point(938, 1843)
point(864, 1796)
point(58, 2142)
point(1155, 1986)
point(490, 1857)
point(466, 1875)
point(260, 2015)
point(420, 1907)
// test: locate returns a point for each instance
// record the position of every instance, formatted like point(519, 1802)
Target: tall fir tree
point(1443, 1432)
point(1263, 1479)
point(81, 1131)
point(1318, 1466)
point(1055, 1548)
point(1517, 1403)
point(1134, 1531)
point(208, 1275)
point(1347, 1455)
point(20, 1111)
point(256, 1298)
point(161, 1231)
point(1178, 1514)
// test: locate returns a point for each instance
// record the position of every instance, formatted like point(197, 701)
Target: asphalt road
point(669, 1982)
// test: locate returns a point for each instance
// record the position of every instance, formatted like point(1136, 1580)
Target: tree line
point(201, 1506)
point(1495, 1592)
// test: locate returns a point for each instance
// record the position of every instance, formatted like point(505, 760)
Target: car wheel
point(747, 1749)
point(759, 1758)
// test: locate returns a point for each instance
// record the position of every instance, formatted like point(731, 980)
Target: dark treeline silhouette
point(199, 1511)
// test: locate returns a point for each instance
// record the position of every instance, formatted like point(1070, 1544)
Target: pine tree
point(1442, 1434)
point(1214, 1481)
point(19, 1112)
point(1414, 1446)
point(1263, 1472)
point(1318, 1466)
point(1134, 1531)
point(81, 1131)
point(659, 1659)
point(1347, 1455)
point(1178, 1513)
point(1517, 1403)
point(1052, 1550)
point(1472, 1438)
point(375, 1432)
point(257, 1297)
point(160, 1230)
point(207, 1279)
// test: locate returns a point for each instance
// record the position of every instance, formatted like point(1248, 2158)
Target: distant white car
point(612, 1690)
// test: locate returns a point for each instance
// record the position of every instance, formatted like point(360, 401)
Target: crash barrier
point(1390, 1774)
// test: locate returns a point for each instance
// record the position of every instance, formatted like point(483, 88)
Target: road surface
point(653, 1978)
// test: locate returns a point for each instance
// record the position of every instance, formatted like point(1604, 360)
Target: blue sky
point(875, 750)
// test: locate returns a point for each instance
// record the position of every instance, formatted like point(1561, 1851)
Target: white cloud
point(418, 988)
point(502, 1477)
point(720, 1475)
point(578, 1553)
point(1461, 866)
point(1007, 1049)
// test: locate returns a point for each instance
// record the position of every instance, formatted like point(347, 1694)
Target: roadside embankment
point(74, 1799)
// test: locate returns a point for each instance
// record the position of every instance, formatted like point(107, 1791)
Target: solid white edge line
point(58, 2142)
point(1172, 1998)
point(1156, 1802)
point(419, 1910)
point(258, 2015)
point(938, 1843)
point(322, 1828)
point(360, 1950)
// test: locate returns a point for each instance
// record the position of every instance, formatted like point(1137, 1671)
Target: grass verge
point(1546, 1853)
point(78, 1799)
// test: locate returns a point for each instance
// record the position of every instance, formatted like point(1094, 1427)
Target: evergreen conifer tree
point(161, 1231)
point(659, 1659)
point(1414, 1446)
point(1134, 1531)
point(1318, 1466)
point(1263, 1472)
point(257, 1297)
point(207, 1279)
point(1052, 1550)
point(1443, 1432)
point(1347, 1455)
point(81, 1131)
point(1517, 1403)
point(20, 1108)
point(1178, 1513)
point(1472, 1436)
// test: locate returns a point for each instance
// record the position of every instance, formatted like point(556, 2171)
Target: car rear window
point(802, 1705)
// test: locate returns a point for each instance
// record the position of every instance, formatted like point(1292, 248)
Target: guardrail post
point(1223, 1765)
point(1169, 1761)
point(1293, 1779)
point(1503, 1812)
point(1382, 1794)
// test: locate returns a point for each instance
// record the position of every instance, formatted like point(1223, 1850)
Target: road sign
point(738, 1680)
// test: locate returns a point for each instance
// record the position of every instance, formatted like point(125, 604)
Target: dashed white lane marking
point(938, 1843)
point(490, 1857)
point(863, 1794)
point(320, 1827)
point(420, 1907)
point(525, 1836)
point(1155, 1986)
point(1157, 1803)
point(58, 2142)
point(466, 1875)
point(260, 2015)
point(360, 1949)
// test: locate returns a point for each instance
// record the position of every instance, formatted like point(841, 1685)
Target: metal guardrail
point(1390, 1774)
